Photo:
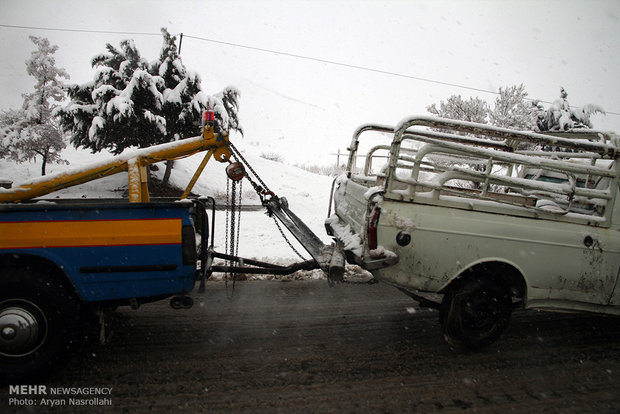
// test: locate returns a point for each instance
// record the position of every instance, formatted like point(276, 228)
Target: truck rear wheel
point(475, 312)
point(41, 326)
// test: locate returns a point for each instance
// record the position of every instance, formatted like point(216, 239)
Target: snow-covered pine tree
point(120, 108)
point(183, 101)
point(228, 100)
point(133, 103)
point(180, 88)
point(32, 131)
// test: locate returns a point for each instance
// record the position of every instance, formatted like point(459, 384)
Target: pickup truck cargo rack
point(571, 181)
point(475, 219)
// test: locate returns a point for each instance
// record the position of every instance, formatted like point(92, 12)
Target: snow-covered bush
point(455, 107)
point(272, 156)
point(332, 170)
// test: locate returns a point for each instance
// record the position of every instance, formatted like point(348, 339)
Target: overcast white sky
point(289, 102)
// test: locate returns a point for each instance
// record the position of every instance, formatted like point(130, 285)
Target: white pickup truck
point(478, 220)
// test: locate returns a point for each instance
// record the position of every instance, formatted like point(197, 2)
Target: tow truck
point(61, 261)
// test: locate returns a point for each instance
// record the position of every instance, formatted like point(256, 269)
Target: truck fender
point(45, 260)
point(501, 268)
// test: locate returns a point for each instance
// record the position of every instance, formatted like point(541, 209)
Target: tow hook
point(335, 272)
point(181, 302)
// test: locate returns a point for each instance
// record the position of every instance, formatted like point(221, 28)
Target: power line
point(53, 29)
point(332, 62)
point(358, 67)
point(288, 54)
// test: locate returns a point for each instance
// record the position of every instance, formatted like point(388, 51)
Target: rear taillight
point(188, 238)
point(373, 221)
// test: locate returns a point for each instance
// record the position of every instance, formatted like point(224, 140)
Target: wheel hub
point(22, 328)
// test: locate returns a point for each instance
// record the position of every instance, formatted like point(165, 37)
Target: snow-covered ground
point(307, 193)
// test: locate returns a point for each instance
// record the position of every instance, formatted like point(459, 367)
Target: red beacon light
point(209, 117)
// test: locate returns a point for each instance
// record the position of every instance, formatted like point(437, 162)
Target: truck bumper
point(354, 249)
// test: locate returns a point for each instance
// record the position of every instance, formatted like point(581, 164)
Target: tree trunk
point(43, 165)
point(169, 165)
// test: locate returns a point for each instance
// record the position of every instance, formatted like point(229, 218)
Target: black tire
point(41, 326)
point(475, 312)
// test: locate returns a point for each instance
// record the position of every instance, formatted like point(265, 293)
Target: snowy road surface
point(299, 347)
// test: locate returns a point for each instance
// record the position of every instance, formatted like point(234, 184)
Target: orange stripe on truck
point(83, 233)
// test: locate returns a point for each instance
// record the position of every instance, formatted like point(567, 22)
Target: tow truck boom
point(134, 163)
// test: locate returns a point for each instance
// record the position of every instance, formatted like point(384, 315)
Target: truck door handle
point(588, 241)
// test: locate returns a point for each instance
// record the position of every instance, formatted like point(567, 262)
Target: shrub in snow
point(328, 170)
point(272, 156)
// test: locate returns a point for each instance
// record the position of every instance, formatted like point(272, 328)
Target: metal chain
point(233, 210)
point(287, 240)
point(233, 217)
point(237, 154)
point(257, 188)
point(227, 237)
point(239, 217)
point(233, 206)
point(227, 213)
point(261, 191)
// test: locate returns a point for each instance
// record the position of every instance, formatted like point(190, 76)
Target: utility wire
point(364, 68)
point(276, 52)
point(11, 26)
point(332, 62)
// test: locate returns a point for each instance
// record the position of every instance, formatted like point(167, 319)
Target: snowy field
point(308, 195)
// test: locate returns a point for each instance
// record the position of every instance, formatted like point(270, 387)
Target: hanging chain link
point(233, 226)
point(239, 217)
point(233, 207)
point(227, 214)
point(262, 190)
point(287, 240)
